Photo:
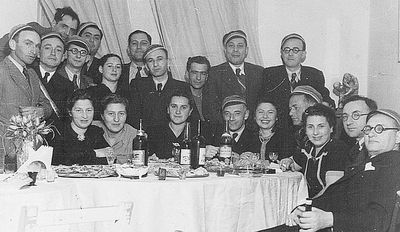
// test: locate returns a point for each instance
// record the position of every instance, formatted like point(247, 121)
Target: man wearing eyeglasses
point(77, 53)
point(355, 111)
point(66, 22)
point(363, 199)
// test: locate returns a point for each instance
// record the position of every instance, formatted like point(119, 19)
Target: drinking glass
point(110, 158)
point(273, 156)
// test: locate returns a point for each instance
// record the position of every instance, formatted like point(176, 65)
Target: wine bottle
point(185, 147)
point(140, 147)
point(198, 149)
point(225, 145)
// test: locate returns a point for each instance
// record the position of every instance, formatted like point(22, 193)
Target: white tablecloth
point(230, 203)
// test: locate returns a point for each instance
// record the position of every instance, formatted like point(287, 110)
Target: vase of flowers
point(27, 132)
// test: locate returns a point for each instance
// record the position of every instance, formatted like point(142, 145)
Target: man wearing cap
point(58, 88)
point(20, 86)
point(279, 81)
point(301, 98)
point(92, 33)
point(66, 22)
point(234, 77)
point(363, 199)
point(235, 111)
point(149, 96)
point(354, 117)
point(77, 53)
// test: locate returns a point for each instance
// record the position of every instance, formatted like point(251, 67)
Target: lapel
point(229, 77)
point(19, 79)
point(304, 75)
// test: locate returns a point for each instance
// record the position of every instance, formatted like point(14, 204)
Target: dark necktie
point(234, 135)
point(241, 79)
point(138, 76)
point(46, 75)
point(75, 81)
point(26, 74)
point(159, 88)
point(293, 80)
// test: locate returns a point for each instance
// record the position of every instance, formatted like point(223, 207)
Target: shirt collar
point(298, 72)
point(43, 72)
point(162, 82)
point(71, 75)
point(360, 143)
point(233, 67)
point(19, 66)
point(239, 133)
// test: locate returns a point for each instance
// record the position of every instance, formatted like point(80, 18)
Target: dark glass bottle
point(225, 145)
point(185, 147)
point(198, 149)
point(140, 147)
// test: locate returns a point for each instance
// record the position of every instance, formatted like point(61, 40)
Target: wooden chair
point(394, 223)
point(34, 220)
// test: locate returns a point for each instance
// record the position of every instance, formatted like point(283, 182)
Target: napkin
point(12, 182)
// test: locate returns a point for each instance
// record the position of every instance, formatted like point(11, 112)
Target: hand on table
point(310, 221)
point(286, 164)
point(211, 151)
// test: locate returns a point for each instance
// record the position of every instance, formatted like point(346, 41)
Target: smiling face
point(25, 47)
point(198, 75)
point(236, 51)
point(318, 130)
point(114, 117)
point(93, 36)
point(51, 52)
point(82, 113)
point(386, 141)
point(266, 115)
point(351, 126)
point(157, 63)
point(66, 27)
point(138, 44)
point(179, 110)
point(236, 116)
point(292, 60)
point(111, 69)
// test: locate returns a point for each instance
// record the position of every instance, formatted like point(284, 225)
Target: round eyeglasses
point(378, 129)
point(355, 115)
point(295, 50)
point(76, 51)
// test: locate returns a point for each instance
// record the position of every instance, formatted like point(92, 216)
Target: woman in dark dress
point(270, 137)
point(111, 69)
point(81, 143)
point(323, 160)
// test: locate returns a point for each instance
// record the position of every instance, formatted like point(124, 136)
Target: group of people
point(96, 104)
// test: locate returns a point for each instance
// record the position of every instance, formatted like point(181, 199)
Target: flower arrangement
point(23, 129)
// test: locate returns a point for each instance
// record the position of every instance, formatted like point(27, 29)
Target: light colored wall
point(336, 33)
point(14, 12)
point(384, 69)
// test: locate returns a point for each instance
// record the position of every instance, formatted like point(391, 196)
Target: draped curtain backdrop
point(196, 27)
point(186, 27)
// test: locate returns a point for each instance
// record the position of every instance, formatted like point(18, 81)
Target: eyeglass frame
point(75, 51)
point(295, 50)
point(368, 127)
point(345, 117)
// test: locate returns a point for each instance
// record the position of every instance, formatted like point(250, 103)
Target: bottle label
point(185, 156)
point(138, 157)
point(225, 151)
point(202, 156)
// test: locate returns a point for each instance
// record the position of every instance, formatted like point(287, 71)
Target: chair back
point(32, 219)
point(394, 223)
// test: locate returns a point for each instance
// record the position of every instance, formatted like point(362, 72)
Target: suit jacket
point(15, 91)
point(363, 199)
point(123, 82)
point(244, 143)
point(222, 82)
point(93, 71)
point(86, 81)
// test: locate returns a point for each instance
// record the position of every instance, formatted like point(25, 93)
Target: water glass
point(273, 156)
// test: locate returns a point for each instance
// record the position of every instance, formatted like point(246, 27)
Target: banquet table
point(229, 203)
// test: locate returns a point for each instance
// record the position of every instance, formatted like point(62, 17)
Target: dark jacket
point(93, 71)
point(242, 145)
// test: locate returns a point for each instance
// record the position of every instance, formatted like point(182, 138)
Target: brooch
point(81, 137)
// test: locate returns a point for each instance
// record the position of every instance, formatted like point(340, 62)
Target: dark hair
point(104, 59)
point(138, 32)
point(61, 12)
point(113, 99)
point(198, 60)
point(79, 94)
point(369, 102)
point(320, 110)
point(181, 93)
point(278, 123)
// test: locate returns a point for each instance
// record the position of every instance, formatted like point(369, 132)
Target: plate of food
point(132, 171)
point(85, 171)
point(215, 165)
point(190, 173)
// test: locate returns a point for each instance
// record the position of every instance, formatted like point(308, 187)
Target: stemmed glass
point(110, 158)
point(273, 156)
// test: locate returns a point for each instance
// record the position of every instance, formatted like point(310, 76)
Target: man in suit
point(20, 89)
point(363, 199)
point(59, 89)
point(235, 111)
point(149, 96)
point(77, 53)
point(234, 77)
point(354, 117)
point(92, 33)
point(66, 22)
point(138, 41)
